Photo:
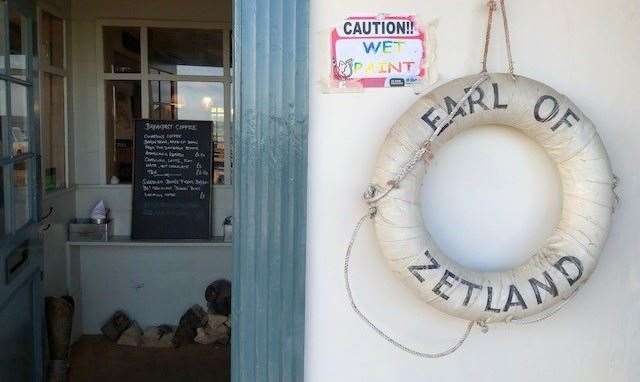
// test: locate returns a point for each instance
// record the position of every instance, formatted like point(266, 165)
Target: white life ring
point(568, 256)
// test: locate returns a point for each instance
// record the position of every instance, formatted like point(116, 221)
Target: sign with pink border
point(378, 51)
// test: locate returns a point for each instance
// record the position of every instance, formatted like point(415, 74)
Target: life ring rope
point(380, 332)
point(482, 324)
point(370, 195)
point(371, 198)
point(376, 193)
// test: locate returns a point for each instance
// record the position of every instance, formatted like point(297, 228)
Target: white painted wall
point(587, 50)
point(154, 285)
point(55, 238)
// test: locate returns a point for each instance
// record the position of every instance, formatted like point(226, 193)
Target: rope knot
point(370, 192)
point(616, 197)
point(372, 212)
point(492, 5)
point(483, 326)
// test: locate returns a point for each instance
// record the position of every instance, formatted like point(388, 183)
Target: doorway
point(168, 62)
point(259, 101)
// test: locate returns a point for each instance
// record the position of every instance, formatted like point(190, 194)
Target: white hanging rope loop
point(380, 332)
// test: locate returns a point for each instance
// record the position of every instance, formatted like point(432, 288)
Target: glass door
point(21, 301)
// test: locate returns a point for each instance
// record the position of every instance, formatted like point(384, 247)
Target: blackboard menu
point(171, 180)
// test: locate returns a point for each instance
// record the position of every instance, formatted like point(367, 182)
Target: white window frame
point(64, 72)
point(144, 77)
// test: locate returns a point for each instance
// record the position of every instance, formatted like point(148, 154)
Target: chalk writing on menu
point(172, 179)
point(168, 155)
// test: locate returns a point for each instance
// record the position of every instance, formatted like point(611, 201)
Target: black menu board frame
point(171, 180)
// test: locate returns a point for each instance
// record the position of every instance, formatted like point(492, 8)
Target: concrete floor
point(96, 359)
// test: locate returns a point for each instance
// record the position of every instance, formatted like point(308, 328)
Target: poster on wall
point(375, 51)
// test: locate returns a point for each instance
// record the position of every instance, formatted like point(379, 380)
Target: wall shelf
point(126, 241)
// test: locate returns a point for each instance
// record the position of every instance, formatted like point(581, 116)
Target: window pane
point(17, 46)
point(52, 40)
point(204, 101)
point(230, 137)
point(121, 49)
point(185, 51)
point(21, 173)
point(122, 107)
point(19, 123)
point(53, 132)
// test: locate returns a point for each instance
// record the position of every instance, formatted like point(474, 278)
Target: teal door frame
point(21, 262)
point(271, 76)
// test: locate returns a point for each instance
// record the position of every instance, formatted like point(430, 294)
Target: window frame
point(64, 72)
point(144, 77)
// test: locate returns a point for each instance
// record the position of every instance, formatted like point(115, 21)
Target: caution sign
point(378, 51)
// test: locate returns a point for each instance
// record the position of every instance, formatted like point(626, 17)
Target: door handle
point(16, 261)
point(49, 213)
point(24, 256)
point(45, 217)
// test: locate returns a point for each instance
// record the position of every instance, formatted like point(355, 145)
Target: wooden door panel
point(19, 349)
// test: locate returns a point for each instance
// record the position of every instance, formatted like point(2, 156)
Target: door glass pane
point(17, 45)
point(185, 51)
point(230, 137)
point(52, 40)
point(53, 132)
point(3, 230)
point(123, 105)
point(16, 336)
point(3, 47)
point(21, 175)
point(19, 123)
point(204, 101)
point(3, 113)
point(121, 49)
